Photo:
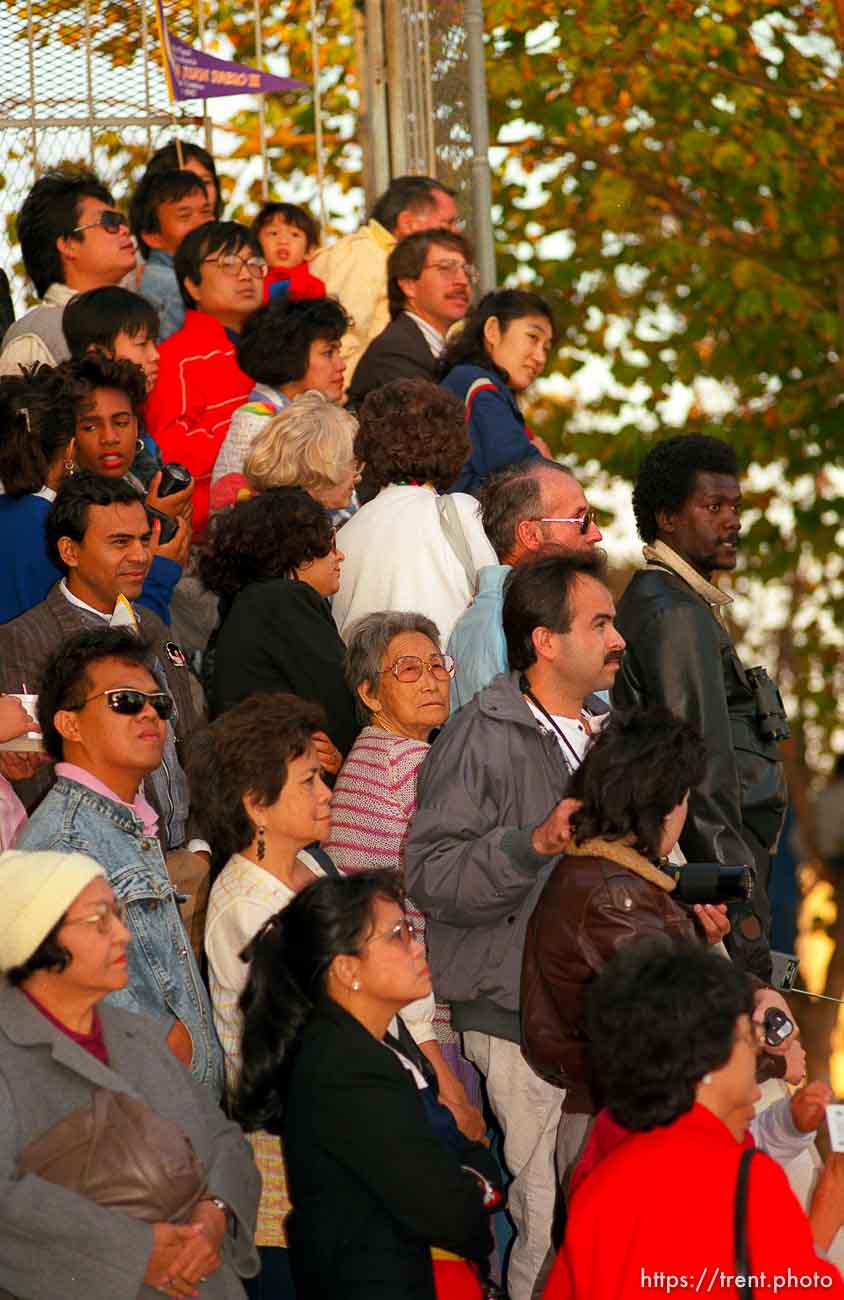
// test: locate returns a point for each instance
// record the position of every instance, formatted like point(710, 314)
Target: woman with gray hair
point(400, 677)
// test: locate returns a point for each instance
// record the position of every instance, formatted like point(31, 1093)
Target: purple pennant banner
point(193, 74)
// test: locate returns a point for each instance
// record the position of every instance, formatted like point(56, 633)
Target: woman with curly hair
point(273, 562)
point(502, 348)
point(674, 1055)
point(409, 547)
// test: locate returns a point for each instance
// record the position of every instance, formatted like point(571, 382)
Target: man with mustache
point(687, 502)
point(429, 286)
point(491, 822)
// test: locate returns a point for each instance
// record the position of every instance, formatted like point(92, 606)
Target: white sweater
point(398, 558)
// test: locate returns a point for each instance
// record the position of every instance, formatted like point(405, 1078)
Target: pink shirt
point(139, 805)
point(12, 814)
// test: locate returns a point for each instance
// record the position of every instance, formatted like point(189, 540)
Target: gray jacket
point(491, 777)
point(54, 1242)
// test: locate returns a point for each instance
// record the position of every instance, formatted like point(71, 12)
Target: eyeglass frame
point(117, 910)
point(149, 696)
point(450, 267)
point(248, 262)
point(424, 664)
point(122, 220)
point(405, 925)
point(585, 520)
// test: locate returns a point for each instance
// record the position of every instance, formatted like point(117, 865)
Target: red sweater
point(300, 283)
point(655, 1218)
point(198, 389)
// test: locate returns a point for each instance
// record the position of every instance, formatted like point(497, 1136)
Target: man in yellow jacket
point(355, 267)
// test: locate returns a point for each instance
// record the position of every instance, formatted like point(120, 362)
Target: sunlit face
point(302, 812)
point(178, 217)
point(732, 1090)
point(442, 291)
point(561, 497)
point(113, 556)
point(98, 963)
point(107, 742)
point(284, 245)
point(230, 297)
point(520, 349)
point(106, 433)
point(391, 966)
point(97, 256)
point(410, 709)
point(141, 348)
point(323, 573)
point(588, 656)
point(324, 372)
point(705, 531)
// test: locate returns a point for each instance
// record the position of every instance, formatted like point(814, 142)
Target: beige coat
point(355, 271)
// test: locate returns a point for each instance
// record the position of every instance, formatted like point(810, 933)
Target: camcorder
point(174, 478)
point(710, 882)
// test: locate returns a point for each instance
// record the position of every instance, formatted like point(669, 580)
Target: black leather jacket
point(680, 656)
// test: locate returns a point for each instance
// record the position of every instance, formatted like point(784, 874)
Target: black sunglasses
point(109, 220)
point(129, 702)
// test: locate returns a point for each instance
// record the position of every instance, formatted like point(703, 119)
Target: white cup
point(29, 740)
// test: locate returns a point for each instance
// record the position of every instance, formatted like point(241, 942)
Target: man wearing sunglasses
point(220, 270)
point(98, 535)
point(72, 239)
point(104, 719)
point(525, 509)
point(430, 277)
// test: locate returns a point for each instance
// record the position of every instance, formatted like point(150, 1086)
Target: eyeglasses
point(232, 264)
point(402, 932)
point(451, 267)
point(409, 668)
point(129, 702)
point(109, 220)
point(585, 521)
point(104, 917)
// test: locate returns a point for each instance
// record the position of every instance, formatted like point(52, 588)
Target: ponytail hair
point(37, 421)
point(290, 957)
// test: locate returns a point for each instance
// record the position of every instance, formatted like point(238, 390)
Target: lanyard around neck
point(524, 687)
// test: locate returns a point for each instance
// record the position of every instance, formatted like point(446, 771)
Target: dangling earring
point(70, 468)
point(262, 848)
point(139, 444)
point(355, 985)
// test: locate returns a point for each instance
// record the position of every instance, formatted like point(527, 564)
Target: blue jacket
point(161, 288)
point(28, 573)
point(164, 979)
point(497, 430)
point(477, 642)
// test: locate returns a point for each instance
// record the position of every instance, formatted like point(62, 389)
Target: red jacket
point(198, 389)
point(300, 283)
point(655, 1218)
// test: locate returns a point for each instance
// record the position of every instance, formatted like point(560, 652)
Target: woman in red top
point(674, 1058)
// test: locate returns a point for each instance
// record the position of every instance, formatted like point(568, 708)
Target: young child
point(288, 236)
point(165, 207)
point(124, 326)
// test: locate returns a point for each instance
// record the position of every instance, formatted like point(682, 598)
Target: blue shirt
point(477, 642)
point(161, 288)
point(497, 431)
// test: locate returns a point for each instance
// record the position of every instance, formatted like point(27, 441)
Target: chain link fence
point(87, 87)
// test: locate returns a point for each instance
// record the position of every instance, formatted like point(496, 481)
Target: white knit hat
point(36, 890)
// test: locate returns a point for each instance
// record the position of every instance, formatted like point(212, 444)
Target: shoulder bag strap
point(742, 1257)
point(452, 527)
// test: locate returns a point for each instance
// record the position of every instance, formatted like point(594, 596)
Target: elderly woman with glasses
point(81, 1215)
point(400, 677)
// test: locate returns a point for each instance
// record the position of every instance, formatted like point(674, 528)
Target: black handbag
point(741, 1268)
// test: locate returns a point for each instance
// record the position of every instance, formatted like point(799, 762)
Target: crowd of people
point(344, 815)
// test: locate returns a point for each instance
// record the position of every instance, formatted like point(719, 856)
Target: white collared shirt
point(435, 340)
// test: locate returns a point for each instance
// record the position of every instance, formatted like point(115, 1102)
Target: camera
point(770, 711)
point(174, 478)
point(777, 1025)
point(710, 882)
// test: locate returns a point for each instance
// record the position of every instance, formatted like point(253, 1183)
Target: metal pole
point(377, 93)
point(30, 43)
point(481, 180)
point(89, 73)
point(320, 170)
point(206, 121)
point(262, 108)
point(145, 57)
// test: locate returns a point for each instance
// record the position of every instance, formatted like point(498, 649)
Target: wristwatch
point(220, 1205)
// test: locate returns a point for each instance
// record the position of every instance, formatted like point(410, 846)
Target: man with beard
point(687, 502)
point(490, 824)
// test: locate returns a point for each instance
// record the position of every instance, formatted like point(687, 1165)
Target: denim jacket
point(164, 979)
point(161, 288)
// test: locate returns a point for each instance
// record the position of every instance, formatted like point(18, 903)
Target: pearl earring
point(707, 1078)
point(355, 985)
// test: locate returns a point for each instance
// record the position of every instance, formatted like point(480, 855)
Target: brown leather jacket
point(600, 896)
